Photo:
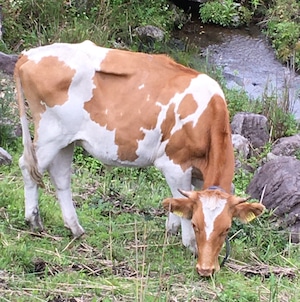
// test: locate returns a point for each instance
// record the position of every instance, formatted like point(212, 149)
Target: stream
point(247, 60)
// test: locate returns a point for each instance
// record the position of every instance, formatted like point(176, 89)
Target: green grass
point(125, 254)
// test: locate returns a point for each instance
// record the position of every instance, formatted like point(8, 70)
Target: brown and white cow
point(127, 109)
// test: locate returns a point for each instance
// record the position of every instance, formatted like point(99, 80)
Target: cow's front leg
point(60, 173)
point(178, 179)
point(173, 223)
point(32, 213)
point(188, 236)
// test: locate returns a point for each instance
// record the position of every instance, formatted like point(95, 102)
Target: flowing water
point(247, 59)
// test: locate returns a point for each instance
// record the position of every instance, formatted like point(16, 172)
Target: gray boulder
point(240, 145)
point(287, 146)
point(252, 126)
point(281, 179)
point(7, 63)
point(5, 157)
point(149, 32)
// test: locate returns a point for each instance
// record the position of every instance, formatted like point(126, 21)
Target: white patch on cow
point(141, 86)
point(212, 207)
point(202, 88)
point(148, 98)
point(71, 54)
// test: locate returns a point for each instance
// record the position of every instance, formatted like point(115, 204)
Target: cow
point(135, 110)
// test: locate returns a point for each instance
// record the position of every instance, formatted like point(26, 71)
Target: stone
point(281, 179)
point(253, 127)
point(7, 63)
point(5, 157)
point(287, 146)
point(240, 145)
point(149, 32)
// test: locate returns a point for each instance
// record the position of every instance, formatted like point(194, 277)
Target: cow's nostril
point(205, 272)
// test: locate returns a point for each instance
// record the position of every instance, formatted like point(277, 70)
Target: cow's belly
point(101, 144)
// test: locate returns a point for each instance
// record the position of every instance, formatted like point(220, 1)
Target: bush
point(103, 22)
point(283, 29)
point(225, 13)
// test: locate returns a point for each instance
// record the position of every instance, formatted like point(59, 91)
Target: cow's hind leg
point(32, 213)
point(60, 173)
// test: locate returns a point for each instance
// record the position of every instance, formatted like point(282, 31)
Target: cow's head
point(211, 213)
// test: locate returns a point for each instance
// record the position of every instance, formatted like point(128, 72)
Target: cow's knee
point(188, 236)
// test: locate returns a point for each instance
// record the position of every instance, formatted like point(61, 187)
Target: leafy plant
point(283, 29)
point(225, 13)
point(103, 22)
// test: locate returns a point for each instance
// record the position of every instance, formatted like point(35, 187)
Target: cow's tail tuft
point(29, 150)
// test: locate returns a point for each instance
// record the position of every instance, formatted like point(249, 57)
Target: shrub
point(103, 22)
point(225, 13)
point(283, 29)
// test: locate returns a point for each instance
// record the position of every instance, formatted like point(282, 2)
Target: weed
point(283, 29)
point(103, 22)
point(225, 13)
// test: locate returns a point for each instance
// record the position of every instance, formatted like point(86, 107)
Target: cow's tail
point(29, 154)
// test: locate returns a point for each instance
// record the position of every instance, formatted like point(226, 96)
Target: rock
point(7, 63)
point(149, 32)
point(287, 146)
point(5, 157)
point(281, 177)
point(241, 145)
point(252, 126)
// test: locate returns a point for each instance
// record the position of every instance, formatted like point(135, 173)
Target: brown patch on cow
point(207, 146)
point(168, 123)
point(128, 88)
point(42, 77)
point(187, 106)
point(44, 83)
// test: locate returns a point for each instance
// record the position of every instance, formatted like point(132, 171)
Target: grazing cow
point(126, 109)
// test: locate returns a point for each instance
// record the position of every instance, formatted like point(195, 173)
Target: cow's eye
point(195, 227)
point(226, 232)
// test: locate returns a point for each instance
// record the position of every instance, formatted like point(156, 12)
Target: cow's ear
point(182, 207)
point(246, 211)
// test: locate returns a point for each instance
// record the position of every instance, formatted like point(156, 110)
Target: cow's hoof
point(77, 232)
point(36, 225)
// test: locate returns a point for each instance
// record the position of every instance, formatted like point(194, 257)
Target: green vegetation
point(225, 13)
point(125, 254)
point(283, 28)
point(103, 22)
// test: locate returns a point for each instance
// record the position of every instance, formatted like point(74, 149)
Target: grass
point(125, 254)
